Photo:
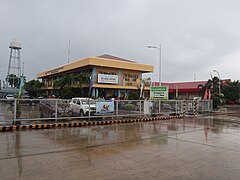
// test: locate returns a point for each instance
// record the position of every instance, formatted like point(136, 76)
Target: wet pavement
point(207, 147)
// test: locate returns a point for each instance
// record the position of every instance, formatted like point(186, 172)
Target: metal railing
point(19, 110)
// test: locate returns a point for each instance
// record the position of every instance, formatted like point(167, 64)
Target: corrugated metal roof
point(182, 85)
point(187, 85)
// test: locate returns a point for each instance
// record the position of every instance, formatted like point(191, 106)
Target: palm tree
point(210, 91)
point(71, 81)
point(211, 86)
point(57, 84)
point(215, 81)
point(201, 89)
point(82, 79)
point(67, 80)
point(62, 82)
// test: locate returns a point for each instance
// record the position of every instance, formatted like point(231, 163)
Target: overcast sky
point(197, 36)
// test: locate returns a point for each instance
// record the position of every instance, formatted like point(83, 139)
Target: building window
point(50, 83)
point(87, 71)
point(126, 77)
point(135, 77)
point(109, 73)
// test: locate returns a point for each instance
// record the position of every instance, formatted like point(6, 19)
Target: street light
point(219, 83)
point(160, 62)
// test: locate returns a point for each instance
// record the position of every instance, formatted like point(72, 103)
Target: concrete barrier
point(79, 124)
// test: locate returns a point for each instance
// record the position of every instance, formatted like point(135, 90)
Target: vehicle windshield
point(85, 101)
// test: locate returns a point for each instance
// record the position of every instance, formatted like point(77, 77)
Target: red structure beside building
point(185, 90)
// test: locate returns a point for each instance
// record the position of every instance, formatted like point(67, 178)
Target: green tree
point(67, 93)
point(232, 91)
point(13, 80)
point(82, 79)
point(33, 87)
point(218, 99)
point(62, 82)
point(66, 86)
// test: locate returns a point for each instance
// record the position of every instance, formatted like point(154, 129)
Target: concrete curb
point(84, 123)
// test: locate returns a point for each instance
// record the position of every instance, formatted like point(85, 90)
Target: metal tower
point(14, 66)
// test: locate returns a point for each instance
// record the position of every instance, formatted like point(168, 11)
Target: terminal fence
point(49, 110)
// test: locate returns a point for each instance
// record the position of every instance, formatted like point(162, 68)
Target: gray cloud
point(196, 36)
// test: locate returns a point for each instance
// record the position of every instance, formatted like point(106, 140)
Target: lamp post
point(90, 85)
point(160, 62)
point(219, 83)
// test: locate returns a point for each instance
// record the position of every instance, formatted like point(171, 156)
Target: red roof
point(185, 86)
point(107, 56)
point(182, 85)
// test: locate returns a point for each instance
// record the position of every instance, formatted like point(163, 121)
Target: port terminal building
point(109, 75)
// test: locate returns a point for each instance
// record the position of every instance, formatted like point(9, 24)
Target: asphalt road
point(191, 148)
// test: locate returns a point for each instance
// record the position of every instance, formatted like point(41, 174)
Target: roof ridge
point(107, 56)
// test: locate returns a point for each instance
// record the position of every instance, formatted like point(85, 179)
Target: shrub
point(134, 95)
point(218, 99)
point(129, 107)
point(67, 93)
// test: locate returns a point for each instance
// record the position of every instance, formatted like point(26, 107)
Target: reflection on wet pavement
point(198, 148)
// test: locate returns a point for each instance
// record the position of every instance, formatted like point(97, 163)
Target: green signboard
point(159, 93)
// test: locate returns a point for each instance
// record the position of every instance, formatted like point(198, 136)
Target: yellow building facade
point(109, 75)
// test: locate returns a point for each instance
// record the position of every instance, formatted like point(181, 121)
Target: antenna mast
point(69, 46)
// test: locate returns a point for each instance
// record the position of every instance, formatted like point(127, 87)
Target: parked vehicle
point(82, 106)
point(47, 108)
point(10, 97)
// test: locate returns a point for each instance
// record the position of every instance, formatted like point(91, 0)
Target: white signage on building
point(106, 78)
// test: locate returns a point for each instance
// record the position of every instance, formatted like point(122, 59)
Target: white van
point(83, 106)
